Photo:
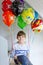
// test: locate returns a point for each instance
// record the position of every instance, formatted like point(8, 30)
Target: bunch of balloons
point(8, 16)
point(10, 10)
point(24, 16)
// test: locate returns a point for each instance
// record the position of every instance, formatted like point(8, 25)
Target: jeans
point(23, 60)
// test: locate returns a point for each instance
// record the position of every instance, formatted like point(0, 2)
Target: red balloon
point(36, 23)
point(8, 18)
point(6, 5)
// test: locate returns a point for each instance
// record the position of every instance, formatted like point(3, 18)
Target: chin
point(22, 42)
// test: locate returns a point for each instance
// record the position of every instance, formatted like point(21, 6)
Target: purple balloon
point(22, 0)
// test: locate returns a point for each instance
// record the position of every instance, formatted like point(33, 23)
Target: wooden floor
point(11, 62)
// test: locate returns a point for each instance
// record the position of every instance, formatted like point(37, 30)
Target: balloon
point(28, 15)
point(36, 15)
point(37, 25)
point(36, 31)
point(21, 22)
point(17, 7)
point(6, 5)
point(8, 18)
point(22, 0)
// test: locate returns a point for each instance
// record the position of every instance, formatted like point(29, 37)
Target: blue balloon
point(36, 15)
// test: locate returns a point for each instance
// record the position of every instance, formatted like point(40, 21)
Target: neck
point(20, 42)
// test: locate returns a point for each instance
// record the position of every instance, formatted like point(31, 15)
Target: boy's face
point(21, 39)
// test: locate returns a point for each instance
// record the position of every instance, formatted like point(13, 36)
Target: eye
point(28, 17)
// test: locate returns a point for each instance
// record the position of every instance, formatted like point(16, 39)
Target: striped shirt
point(20, 49)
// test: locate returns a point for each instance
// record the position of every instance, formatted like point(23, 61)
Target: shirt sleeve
point(13, 52)
point(13, 46)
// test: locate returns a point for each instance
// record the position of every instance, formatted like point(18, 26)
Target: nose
point(20, 37)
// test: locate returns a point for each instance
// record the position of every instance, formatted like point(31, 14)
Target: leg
point(24, 60)
point(15, 60)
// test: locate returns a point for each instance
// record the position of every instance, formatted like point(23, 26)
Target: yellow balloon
point(28, 15)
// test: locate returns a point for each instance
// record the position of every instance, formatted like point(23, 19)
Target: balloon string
point(28, 38)
point(11, 37)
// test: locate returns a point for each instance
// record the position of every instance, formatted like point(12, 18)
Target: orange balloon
point(8, 18)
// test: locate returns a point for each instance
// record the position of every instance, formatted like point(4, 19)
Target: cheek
point(18, 38)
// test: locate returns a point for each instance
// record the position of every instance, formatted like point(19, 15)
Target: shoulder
point(15, 45)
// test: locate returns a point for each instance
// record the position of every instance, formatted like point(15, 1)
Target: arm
point(28, 55)
point(15, 57)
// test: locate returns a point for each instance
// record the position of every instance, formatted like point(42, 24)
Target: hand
point(15, 57)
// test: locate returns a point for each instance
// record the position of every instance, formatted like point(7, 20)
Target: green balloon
point(21, 23)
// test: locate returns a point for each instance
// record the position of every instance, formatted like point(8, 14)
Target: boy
point(21, 50)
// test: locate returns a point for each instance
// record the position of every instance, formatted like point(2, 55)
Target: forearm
point(28, 55)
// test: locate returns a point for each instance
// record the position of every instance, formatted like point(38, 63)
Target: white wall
point(3, 51)
point(36, 48)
